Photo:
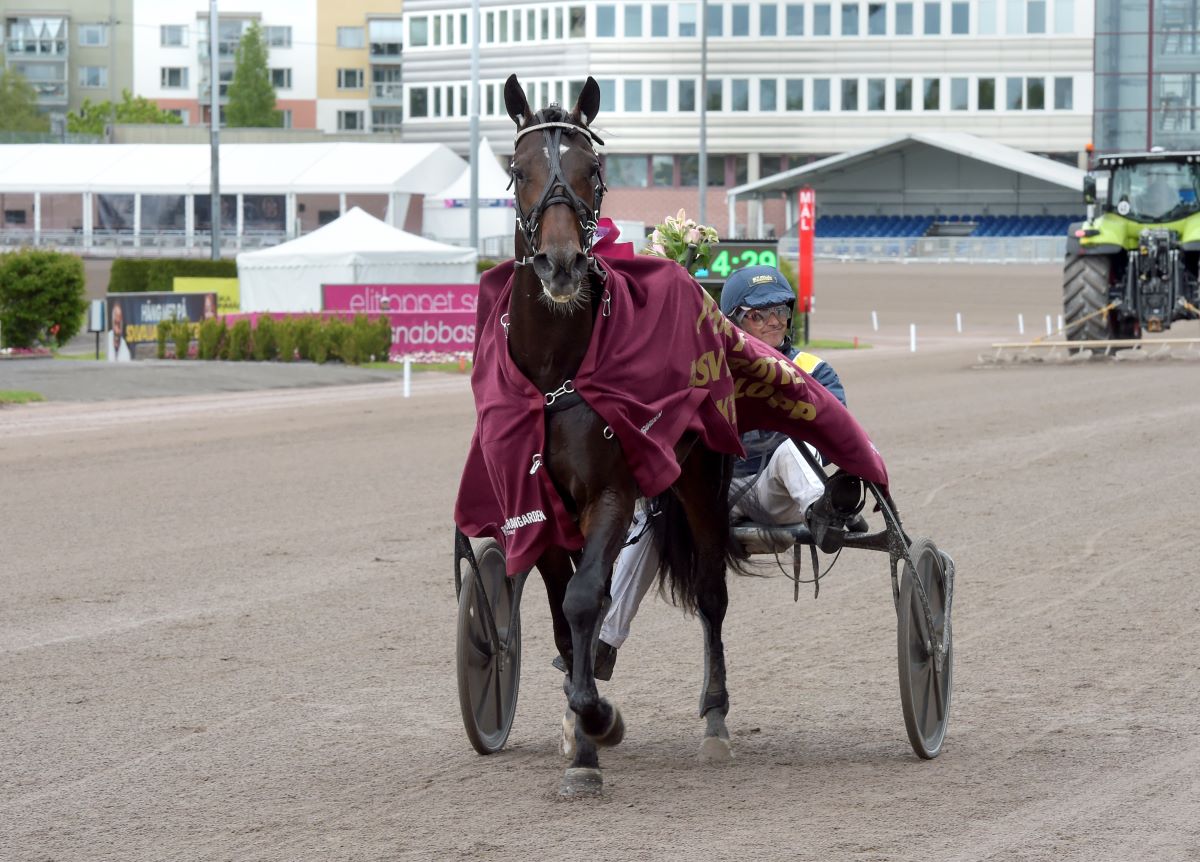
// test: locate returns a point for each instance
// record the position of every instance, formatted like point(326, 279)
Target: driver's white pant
point(781, 494)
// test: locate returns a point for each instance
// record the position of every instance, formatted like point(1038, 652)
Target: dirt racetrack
point(227, 630)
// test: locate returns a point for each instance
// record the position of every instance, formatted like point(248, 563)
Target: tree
point(93, 117)
point(18, 105)
point(251, 96)
point(42, 297)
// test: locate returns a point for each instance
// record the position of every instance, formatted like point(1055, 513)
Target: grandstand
point(903, 226)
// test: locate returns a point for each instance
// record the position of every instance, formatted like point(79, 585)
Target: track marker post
point(912, 338)
point(1060, 326)
point(958, 321)
point(1049, 325)
point(1021, 323)
point(407, 377)
point(875, 321)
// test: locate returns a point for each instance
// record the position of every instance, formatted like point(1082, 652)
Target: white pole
point(1060, 326)
point(912, 338)
point(958, 321)
point(1049, 325)
point(875, 321)
point(473, 107)
point(214, 134)
point(1021, 323)
point(407, 377)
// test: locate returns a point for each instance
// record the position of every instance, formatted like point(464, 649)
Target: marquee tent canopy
point(448, 212)
point(354, 249)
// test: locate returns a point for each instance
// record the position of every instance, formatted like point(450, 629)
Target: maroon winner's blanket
point(664, 361)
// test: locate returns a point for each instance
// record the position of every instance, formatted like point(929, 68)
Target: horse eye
point(515, 173)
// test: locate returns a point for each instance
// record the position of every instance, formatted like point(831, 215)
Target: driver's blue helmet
point(755, 287)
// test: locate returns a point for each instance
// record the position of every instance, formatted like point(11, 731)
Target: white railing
point(943, 249)
point(125, 244)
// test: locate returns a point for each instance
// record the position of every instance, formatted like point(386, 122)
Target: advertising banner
point(808, 229)
point(425, 318)
point(229, 298)
point(134, 318)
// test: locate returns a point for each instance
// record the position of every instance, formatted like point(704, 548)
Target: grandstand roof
point(307, 168)
point(959, 143)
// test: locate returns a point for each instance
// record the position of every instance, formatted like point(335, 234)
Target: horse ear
point(515, 101)
point(589, 102)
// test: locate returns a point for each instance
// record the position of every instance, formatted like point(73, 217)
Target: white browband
point(571, 126)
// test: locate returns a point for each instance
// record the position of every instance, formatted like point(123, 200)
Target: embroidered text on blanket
point(645, 429)
point(516, 522)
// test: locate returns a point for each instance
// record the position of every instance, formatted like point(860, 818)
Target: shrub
point(483, 264)
point(307, 329)
point(265, 339)
point(162, 335)
point(240, 338)
point(130, 275)
point(340, 339)
point(373, 337)
point(212, 333)
point(319, 342)
point(286, 338)
point(181, 334)
point(42, 297)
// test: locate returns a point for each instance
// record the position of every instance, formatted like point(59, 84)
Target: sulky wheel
point(489, 649)
point(924, 687)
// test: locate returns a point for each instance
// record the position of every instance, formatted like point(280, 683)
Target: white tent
point(355, 249)
point(448, 214)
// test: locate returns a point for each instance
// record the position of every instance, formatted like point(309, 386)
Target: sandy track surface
point(227, 633)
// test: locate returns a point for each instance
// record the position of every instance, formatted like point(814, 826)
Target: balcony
point(386, 52)
point(23, 47)
point(389, 93)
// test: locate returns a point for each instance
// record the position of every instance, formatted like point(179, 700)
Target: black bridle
point(558, 190)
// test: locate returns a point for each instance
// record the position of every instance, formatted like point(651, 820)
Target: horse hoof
point(714, 749)
point(581, 783)
point(615, 732)
point(566, 745)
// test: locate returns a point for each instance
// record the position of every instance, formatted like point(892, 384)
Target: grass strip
point(19, 396)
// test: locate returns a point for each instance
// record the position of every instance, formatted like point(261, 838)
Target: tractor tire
point(1085, 291)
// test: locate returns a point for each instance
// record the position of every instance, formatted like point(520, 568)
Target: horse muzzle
point(561, 272)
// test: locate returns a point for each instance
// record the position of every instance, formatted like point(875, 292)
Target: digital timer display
point(733, 255)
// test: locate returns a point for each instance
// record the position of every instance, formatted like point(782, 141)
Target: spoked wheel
point(924, 686)
point(489, 649)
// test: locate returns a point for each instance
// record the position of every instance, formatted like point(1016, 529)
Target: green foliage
point(341, 341)
point(140, 275)
point(684, 241)
point(266, 339)
point(483, 264)
point(19, 396)
point(212, 333)
point(319, 343)
point(240, 341)
point(161, 336)
point(94, 116)
point(251, 96)
point(377, 345)
point(18, 105)
point(41, 297)
point(287, 338)
point(181, 334)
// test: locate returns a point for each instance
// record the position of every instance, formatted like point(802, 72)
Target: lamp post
point(474, 124)
point(703, 156)
point(214, 89)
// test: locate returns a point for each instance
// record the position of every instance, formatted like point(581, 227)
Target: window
point(658, 95)
point(766, 94)
point(1035, 17)
point(172, 35)
point(174, 78)
point(285, 117)
point(933, 94)
point(687, 95)
point(606, 21)
point(660, 15)
point(385, 37)
point(349, 79)
point(849, 19)
point(1035, 94)
point(960, 18)
point(490, 28)
point(876, 94)
point(418, 102)
point(689, 170)
point(278, 37)
point(633, 21)
point(503, 25)
point(849, 94)
point(1014, 90)
point(662, 170)
point(633, 95)
point(714, 102)
point(14, 216)
point(1064, 16)
point(1064, 94)
point(768, 166)
point(985, 20)
point(93, 35)
point(739, 94)
point(687, 19)
point(904, 19)
point(904, 94)
point(794, 19)
point(820, 94)
point(740, 23)
point(516, 36)
point(959, 88)
point(578, 22)
point(93, 76)
point(626, 172)
point(1014, 17)
point(351, 37)
point(437, 101)
point(768, 20)
point(350, 121)
point(822, 20)
point(714, 21)
point(608, 95)
point(794, 94)
point(986, 95)
point(877, 19)
point(741, 169)
point(281, 79)
point(462, 27)
point(933, 19)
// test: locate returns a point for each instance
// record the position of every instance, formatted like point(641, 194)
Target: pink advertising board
point(426, 318)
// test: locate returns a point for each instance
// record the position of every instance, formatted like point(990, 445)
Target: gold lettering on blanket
point(707, 369)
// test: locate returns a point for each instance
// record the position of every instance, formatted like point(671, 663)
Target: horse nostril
point(579, 267)
point(542, 266)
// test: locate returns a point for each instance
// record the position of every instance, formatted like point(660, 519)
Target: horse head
point(558, 189)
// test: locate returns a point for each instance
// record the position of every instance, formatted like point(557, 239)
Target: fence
point(125, 244)
point(944, 249)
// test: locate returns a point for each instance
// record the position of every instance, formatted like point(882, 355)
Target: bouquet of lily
point(682, 240)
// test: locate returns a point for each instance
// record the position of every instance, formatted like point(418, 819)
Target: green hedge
point(42, 297)
point(312, 339)
point(140, 275)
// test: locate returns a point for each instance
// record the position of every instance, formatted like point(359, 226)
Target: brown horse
point(556, 295)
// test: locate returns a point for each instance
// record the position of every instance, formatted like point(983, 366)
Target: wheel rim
point(925, 694)
point(488, 679)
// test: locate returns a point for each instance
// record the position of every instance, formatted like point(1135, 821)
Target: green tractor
point(1132, 266)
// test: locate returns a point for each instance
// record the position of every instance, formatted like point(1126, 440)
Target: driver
point(782, 485)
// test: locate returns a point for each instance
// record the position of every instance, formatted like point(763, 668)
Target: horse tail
point(685, 564)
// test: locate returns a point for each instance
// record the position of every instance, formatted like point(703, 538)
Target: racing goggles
point(759, 316)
